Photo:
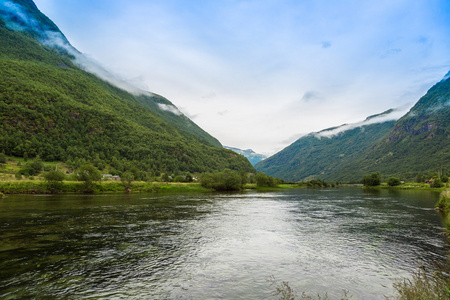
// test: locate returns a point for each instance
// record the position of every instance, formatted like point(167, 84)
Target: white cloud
point(392, 116)
point(170, 108)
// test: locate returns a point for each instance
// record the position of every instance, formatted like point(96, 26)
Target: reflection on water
point(210, 246)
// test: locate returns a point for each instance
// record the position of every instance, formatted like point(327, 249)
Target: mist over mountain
point(418, 143)
point(57, 104)
point(323, 154)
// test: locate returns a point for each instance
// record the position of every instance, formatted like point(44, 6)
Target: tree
point(189, 177)
point(373, 179)
point(89, 174)
point(263, 180)
point(227, 180)
point(437, 183)
point(127, 177)
point(2, 158)
point(393, 181)
point(32, 168)
point(54, 180)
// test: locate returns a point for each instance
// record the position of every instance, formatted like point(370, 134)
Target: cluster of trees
point(319, 183)
point(374, 179)
point(263, 180)
point(229, 180)
point(226, 180)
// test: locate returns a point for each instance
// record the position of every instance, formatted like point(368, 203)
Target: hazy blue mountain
point(251, 155)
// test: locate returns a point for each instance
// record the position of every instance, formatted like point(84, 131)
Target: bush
point(126, 178)
point(424, 286)
point(437, 183)
point(227, 180)
point(393, 181)
point(2, 158)
point(88, 174)
point(54, 179)
point(263, 180)
point(317, 183)
point(373, 179)
point(179, 178)
point(32, 168)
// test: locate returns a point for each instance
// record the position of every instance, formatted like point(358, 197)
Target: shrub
point(263, 180)
point(373, 179)
point(424, 286)
point(393, 181)
point(127, 177)
point(437, 183)
point(227, 180)
point(88, 174)
point(54, 180)
point(317, 183)
point(32, 168)
point(2, 158)
point(179, 178)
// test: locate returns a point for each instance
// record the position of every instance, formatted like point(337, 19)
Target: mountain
point(56, 103)
point(251, 155)
point(417, 143)
point(323, 154)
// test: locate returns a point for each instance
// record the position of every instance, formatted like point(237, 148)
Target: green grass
point(42, 187)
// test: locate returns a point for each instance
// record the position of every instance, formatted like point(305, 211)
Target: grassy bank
point(444, 206)
point(43, 187)
point(403, 186)
point(426, 285)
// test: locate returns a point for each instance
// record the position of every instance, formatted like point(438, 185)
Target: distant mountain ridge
point(251, 155)
point(417, 143)
point(322, 154)
point(57, 104)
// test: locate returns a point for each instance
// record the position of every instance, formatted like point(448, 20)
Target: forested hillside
point(324, 154)
point(51, 107)
point(419, 143)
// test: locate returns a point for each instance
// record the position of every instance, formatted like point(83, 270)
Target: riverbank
point(43, 187)
point(444, 206)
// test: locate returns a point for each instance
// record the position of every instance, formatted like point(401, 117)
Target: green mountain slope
point(324, 154)
point(418, 143)
point(420, 140)
point(50, 106)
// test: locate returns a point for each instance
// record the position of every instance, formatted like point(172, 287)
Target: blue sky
point(259, 74)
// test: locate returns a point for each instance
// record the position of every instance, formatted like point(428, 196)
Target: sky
point(259, 74)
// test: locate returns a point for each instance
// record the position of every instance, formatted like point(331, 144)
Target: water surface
point(215, 246)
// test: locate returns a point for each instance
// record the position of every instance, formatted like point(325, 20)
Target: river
point(216, 246)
